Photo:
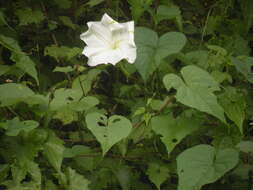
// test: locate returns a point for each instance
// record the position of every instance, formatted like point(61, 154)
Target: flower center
point(115, 44)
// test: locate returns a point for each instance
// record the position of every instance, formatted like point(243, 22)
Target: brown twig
point(168, 101)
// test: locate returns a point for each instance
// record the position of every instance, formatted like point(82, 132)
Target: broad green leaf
point(53, 150)
point(67, 22)
point(72, 99)
point(203, 164)
point(63, 69)
point(26, 64)
point(151, 50)
point(76, 150)
point(146, 41)
point(221, 76)
point(108, 131)
point(123, 174)
point(244, 65)
point(12, 93)
point(245, 146)
point(169, 43)
point(62, 52)
point(173, 130)
point(199, 57)
point(15, 126)
point(139, 7)
point(196, 90)
point(157, 173)
point(23, 62)
point(84, 82)
point(169, 12)
point(28, 16)
point(64, 4)
point(10, 44)
point(66, 116)
point(234, 106)
point(93, 3)
point(4, 69)
point(76, 181)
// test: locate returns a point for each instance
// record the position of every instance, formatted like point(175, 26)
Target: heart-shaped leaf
point(203, 164)
point(108, 131)
point(196, 90)
point(151, 50)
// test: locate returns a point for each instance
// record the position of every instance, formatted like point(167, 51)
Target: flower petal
point(97, 33)
point(109, 56)
point(92, 51)
point(90, 39)
point(129, 52)
point(130, 30)
point(113, 25)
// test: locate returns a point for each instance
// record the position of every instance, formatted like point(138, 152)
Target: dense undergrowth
point(180, 117)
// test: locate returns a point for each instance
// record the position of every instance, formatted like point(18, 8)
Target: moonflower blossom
point(109, 41)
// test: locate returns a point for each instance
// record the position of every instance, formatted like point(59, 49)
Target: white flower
point(109, 42)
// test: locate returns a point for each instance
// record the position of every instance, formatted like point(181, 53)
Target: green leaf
point(123, 174)
point(245, 146)
point(108, 131)
point(53, 150)
point(247, 6)
point(93, 3)
point(151, 50)
point(26, 64)
point(169, 12)
point(13, 93)
point(4, 171)
point(76, 150)
point(244, 65)
point(3, 20)
point(76, 181)
point(196, 90)
point(221, 76)
point(4, 69)
point(72, 99)
point(66, 69)
point(234, 105)
point(203, 164)
point(84, 82)
point(62, 52)
point(139, 7)
point(157, 173)
point(64, 4)
point(28, 16)
point(15, 126)
point(67, 22)
point(10, 44)
point(199, 57)
point(173, 130)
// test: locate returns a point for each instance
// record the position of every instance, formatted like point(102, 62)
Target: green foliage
point(28, 16)
point(180, 117)
point(108, 131)
point(173, 130)
point(157, 173)
point(152, 50)
point(196, 90)
point(203, 164)
point(15, 126)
